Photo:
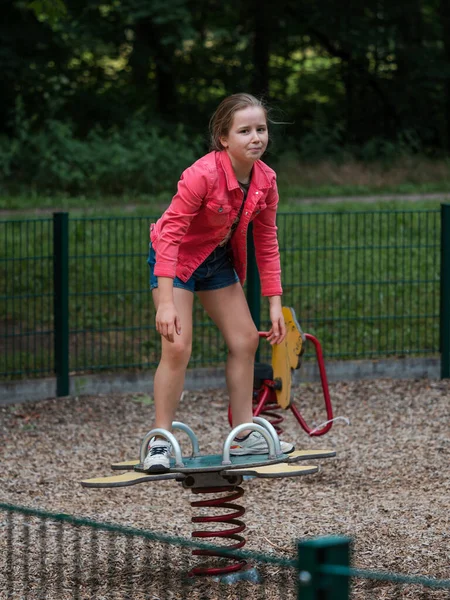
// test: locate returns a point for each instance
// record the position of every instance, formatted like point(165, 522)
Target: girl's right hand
point(168, 321)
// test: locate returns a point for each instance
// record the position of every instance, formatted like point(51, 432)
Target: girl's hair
point(221, 121)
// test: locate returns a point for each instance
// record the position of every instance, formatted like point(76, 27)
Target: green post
point(445, 292)
point(61, 300)
point(253, 283)
point(313, 584)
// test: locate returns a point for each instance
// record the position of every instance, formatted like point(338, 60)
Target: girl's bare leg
point(169, 377)
point(229, 310)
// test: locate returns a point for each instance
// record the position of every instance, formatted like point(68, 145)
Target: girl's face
point(248, 136)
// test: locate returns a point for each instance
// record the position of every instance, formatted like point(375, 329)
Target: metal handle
point(254, 427)
point(271, 429)
point(191, 434)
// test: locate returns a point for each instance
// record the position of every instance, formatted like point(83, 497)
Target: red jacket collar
point(259, 178)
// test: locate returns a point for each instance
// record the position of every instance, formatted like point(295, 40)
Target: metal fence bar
point(61, 301)
point(312, 556)
point(445, 292)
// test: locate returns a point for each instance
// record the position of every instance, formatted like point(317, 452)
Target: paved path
point(370, 199)
point(130, 208)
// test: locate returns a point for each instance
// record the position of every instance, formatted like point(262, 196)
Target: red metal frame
point(265, 400)
point(326, 393)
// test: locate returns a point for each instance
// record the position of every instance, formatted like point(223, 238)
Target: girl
point(199, 245)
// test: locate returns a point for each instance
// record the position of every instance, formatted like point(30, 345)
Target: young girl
point(199, 245)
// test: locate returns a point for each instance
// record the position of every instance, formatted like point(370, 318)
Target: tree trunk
point(444, 10)
point(261, 49)
point(147, 49)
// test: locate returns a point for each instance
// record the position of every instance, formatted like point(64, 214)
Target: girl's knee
point(177, 353)
point(246, 342)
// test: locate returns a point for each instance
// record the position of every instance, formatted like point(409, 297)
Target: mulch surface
point(388, 487)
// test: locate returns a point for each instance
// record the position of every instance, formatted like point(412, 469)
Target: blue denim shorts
point(214, 273)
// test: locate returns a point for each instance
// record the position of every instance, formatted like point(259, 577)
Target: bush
point(139, 158)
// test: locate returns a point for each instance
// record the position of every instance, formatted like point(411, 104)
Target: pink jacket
point(201, 213)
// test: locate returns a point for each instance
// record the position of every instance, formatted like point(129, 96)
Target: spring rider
point(221, 475)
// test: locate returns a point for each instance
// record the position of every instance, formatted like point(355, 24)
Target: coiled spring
point(232, 533)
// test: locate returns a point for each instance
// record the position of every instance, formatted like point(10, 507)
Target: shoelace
point(159, 450)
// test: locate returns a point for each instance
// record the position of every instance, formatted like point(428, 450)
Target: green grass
point(43, 204)
point(297, 182)
point(356, 205)
point(290, 201)
point(365, 282)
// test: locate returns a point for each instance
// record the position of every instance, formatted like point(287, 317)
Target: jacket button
point(256, 192)
point(220, 209)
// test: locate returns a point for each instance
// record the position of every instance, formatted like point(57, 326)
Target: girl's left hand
point(277, 332)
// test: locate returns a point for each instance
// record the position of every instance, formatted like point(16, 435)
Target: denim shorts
point(214, 273)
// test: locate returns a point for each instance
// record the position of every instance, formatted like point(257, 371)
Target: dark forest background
point(117, 95)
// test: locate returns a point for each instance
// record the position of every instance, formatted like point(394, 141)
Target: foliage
point(51, 10)
point(370, 80)
point(140, 157)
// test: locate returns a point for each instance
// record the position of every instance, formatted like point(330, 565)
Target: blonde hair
point(220, 122)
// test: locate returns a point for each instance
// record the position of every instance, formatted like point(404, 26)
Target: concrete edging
point(31, 390)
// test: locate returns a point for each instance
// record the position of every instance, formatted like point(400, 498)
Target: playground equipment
point(272, 383)
point(223, 474)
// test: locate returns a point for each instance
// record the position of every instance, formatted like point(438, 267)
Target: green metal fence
point(58, 556)
point(75, 296)
point(325, 573)
point(26, 313)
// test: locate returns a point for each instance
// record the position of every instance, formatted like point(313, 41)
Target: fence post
point(314, 554)
point(61, 300)
point(253, 283)
point(445, 292)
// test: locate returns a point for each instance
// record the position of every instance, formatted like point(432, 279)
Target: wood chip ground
point(388, 488)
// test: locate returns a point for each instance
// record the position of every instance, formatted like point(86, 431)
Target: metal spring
point(232, 518)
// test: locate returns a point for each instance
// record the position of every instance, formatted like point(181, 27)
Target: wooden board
point(298, 455)
point(273, 471)
point(124, 479)
point(132, 478)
